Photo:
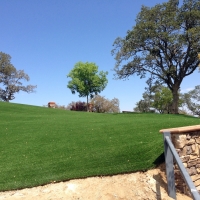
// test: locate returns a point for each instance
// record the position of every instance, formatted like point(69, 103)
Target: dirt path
point(149, 185)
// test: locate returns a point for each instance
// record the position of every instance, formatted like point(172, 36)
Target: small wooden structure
point(51, 104)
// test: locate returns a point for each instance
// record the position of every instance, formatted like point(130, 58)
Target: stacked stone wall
point(187, 146)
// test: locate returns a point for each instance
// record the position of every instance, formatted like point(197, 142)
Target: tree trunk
point(87, 104)
point(6, 99)
point(175, 99)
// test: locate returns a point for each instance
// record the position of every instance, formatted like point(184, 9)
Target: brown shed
point(51, 104)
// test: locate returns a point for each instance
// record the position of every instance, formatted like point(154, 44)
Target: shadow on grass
point(160, 159)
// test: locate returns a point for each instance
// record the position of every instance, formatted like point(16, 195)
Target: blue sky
point(46, 38)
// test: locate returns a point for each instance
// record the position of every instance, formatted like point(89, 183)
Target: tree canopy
point(11, 79)
point(165, 43)
point(157, 97)
point(145, 104)
point(103, 105)
point(163, 100)
point(192, 100)
point(86, 80)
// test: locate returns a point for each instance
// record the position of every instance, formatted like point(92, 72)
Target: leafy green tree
point(10, 79)
point(145, 104)
point(163, 100)
point(86, 80)
point(164, 43)
point(156, 97)
point(192, 100)
point(142, 106)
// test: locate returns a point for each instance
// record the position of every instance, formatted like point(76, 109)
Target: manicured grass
point(40, 145)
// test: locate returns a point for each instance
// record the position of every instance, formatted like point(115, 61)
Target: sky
point(46, 38)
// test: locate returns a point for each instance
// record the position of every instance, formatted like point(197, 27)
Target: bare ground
point(148, 185)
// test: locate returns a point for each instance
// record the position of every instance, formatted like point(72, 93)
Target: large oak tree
point(164, 42)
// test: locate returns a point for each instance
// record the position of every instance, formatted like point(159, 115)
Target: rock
point(185, 158)
point(195, 177)
point(192, 157)
point(195, 134)
point(192, 163)
point(191, 171)
point(190, 142)
point(195, 149)
point(179, 140)
point(188, 137)
point(198, 188)
point(177, 172)
point(197, 165)
point(197, 183)
point(197, 140)
point(185, 165)
point(182, 152)
point(198, 170)
point(189, 150)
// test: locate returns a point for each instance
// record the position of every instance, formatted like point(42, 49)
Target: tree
point(10, 79)
point(163, 100)
point(192, 100)
point(145, 104)
point(71, 105)
point(86, 80)
point(165, 43)
point(103, 105)
point(142, 106)
point(158, 97)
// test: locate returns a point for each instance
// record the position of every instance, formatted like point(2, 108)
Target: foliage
point(62, 107)
point(77, 106)
point(151, 89)
point(103, 105)
point(163, 100)
point(183, 111)
point(41, 145)
point(156, 98)
point(11, 79)
point(192, 100)
point(146, 104)
point(164, 43)
point(142, 106)
point(69, 106)
point(86, 80)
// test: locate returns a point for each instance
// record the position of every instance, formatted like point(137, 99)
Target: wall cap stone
point(184, 129)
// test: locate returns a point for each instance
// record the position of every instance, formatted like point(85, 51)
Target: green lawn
point(40, 145)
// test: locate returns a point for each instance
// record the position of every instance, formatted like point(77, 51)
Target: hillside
point(41, 145)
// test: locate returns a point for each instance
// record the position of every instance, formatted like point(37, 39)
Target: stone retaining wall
point(186, 141)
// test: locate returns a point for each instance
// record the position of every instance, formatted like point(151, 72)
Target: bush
point(77, 106)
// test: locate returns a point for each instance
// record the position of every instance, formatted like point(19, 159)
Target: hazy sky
point(47, 37)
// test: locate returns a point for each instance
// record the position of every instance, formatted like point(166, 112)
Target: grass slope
point(40, 145)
